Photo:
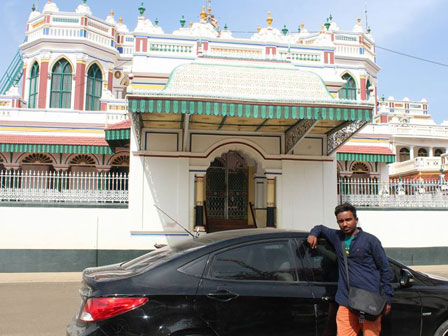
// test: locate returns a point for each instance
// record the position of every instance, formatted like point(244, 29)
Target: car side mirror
point(406, 278)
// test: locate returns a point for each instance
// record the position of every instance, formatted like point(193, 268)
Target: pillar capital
point(11, 166)
point(61, 167)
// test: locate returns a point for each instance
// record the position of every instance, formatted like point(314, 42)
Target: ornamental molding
point(340, 135)
point(137, 125)
point(297, 133)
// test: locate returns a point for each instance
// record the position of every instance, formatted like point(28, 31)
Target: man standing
point(369, 268)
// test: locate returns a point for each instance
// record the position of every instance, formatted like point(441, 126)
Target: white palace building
point(102, 124)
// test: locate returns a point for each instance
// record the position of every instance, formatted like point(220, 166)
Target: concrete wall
point(64, 239)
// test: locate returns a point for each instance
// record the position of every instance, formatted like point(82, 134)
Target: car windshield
point(163, 254)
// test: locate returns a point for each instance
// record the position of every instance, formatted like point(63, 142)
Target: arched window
point(368, 90)
point(37, 162)
point(348, 90)
point(438, 152)
point(422, 152)
point(61, 85)
point(94, 88)
point(404, 154)
point(34, 86)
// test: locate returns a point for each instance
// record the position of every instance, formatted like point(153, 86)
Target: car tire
point(443, 330)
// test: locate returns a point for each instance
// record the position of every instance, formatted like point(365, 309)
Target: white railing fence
point(395, 193)
point(63, 187)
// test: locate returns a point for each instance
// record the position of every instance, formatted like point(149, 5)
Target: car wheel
point(443, 330)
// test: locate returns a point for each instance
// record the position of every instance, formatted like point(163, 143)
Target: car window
point(396, 270)
point(195, 267)
point(322, 261)
point(264, 261)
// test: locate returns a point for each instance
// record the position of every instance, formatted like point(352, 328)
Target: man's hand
point(312, 240)
point(387, 309)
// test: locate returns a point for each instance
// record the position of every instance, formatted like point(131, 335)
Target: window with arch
point(438, 152)
point(37, 162)
point(368, 89)
point(422, 152)
point(61, 85)
point(404, 154)
point(360, 168)
point(82, 163)
point(119, 171)
point(348, 90)
point(34, 86)
point(94, 88)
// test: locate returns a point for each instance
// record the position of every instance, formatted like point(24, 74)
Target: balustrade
point(63, 187)
point(396, 193)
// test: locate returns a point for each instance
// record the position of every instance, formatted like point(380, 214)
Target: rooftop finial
point(120, 20)
point(269, 19)
point(33, 8)
point(85, 1)
point(112, 13)
point(327, 24)
point(142, 9)
point(182, 21)
point(285, 30)
point(156, 21)
point(203, 14)
point(331, 17)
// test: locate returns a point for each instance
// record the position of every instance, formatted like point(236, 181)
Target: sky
point(413, 27)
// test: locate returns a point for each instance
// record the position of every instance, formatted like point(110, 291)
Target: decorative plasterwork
point(137, 125)
point(246, 83)
point(338, 136)
point(297, 132)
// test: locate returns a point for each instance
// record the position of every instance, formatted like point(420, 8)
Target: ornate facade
point(97, 97)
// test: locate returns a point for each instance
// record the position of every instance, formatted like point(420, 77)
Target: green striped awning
point(365, 157)
point(118, 134)
point(248, 110)
point(65, 149)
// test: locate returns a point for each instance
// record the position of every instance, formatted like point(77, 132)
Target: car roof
point(246, 234)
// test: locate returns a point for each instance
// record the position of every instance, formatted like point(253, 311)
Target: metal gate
point(227, 188)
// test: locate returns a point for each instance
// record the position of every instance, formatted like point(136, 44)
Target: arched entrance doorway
point(227, 193)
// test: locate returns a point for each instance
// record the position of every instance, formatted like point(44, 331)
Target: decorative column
point(80, 82)
point(411, 152)
point(199, 203)
point(363, 87)
point(24, 78)
point(270, 202)
point(110, 80)
point(43, 81)
point(431, 152)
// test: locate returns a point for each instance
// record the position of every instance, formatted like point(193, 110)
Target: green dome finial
point(33, 8)
point(142, 9)
point(156, 21)
point(285, 30)
point(331, 17)
point(85, 1)
point(368, 30)
point(225, 27)
point(299, 30)
point(327, 24)
point(182, 21)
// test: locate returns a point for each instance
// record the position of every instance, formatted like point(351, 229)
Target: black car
point(244, 282)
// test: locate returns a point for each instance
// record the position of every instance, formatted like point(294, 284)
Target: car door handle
point(222, 295)
point(327, 298)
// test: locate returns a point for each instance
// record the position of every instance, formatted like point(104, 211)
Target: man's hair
point(345, 207)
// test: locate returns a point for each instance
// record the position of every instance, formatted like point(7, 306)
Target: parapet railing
point(63, 188)
point(395, 193)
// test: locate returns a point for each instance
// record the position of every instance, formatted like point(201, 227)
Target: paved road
point(41, 304)
point(37, 309)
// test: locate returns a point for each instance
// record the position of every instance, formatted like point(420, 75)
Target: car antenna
point(175, 221)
